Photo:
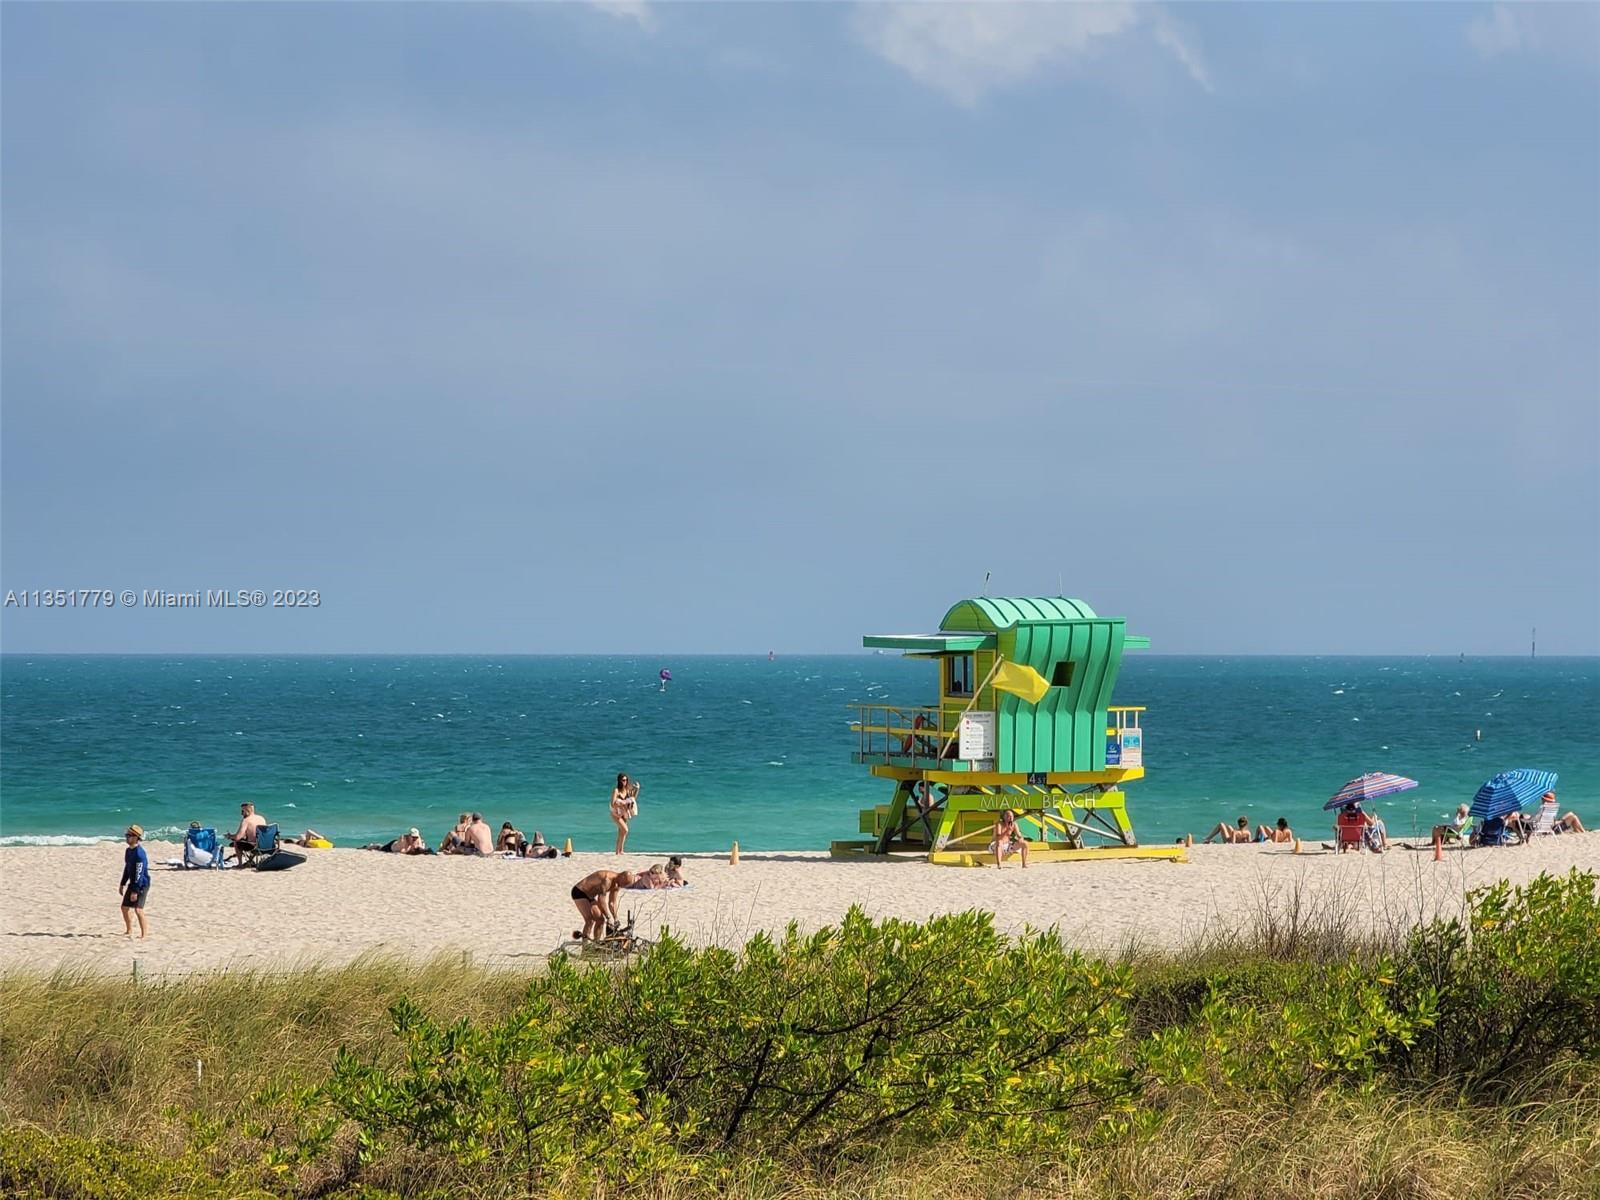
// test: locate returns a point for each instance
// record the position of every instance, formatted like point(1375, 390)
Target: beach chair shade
point(1369, 787)
point(267, 839)
point(1509, 791)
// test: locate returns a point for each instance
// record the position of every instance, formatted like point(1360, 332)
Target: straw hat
point(135, 831)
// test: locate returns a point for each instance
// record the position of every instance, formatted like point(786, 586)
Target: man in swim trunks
point(244, 838)
point(480, 840)
point(595, 897)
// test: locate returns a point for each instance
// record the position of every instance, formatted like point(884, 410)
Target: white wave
point(53, 839)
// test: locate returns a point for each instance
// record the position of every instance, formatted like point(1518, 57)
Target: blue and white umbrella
point(1510, 790)
point(1369, 787)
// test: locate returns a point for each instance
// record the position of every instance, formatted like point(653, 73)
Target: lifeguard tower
point(1024, 721)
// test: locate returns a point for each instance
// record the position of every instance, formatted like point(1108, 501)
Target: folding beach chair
point(1493, 832)
point(1350, 830)
point(1544, 823)
point(200, 848)
point(269, 854)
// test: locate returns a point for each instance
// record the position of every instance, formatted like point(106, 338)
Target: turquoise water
point(363, 747)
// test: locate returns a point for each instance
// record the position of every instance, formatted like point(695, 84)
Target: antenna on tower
point(986, 583)
point(1061, 588)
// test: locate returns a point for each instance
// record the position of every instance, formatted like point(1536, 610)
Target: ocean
point(360, 748)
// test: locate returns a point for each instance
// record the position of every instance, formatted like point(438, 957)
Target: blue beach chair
point(200, 848)
point(269, 854)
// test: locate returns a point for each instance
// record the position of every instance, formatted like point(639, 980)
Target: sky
point(726, 328)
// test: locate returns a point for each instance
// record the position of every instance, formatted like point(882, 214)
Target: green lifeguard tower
point(1024, 721)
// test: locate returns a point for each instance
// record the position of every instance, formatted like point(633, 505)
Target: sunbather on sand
point(651, 880)
point(1377, 834)
point(595, 897)
point(310, 838)
point(1275, 833)
point(409, 842)
point(1240, 831)
point(456, 840)
point(510, 838)
point(1458, 830)
point(1566, 824)
point(675, 872)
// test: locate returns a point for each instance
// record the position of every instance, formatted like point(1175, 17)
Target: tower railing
point(899, 733)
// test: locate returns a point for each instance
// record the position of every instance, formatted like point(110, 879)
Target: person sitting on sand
point(1008, 839)
point(456, 840)
point(1240, 831)
point(480, 840)
point(1459, 830)
point(510, 838)
point(1548, 808)
point(595, 896)
point(1377, 834)
point(244, 838)
point(1275, 833)
point(675, 872)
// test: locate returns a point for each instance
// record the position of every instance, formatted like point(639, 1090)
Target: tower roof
point(991, 613)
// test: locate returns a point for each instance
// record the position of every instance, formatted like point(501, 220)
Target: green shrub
point(35, 1165)
point(1514, 987)
point(847, 1038)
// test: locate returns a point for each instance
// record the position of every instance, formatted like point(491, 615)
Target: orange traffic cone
point(567, 849)
point(1297, 845)
point(733, 856)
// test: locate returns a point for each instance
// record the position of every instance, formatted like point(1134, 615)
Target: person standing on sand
point(595, 896)
point(624, 807)
point(135, 885)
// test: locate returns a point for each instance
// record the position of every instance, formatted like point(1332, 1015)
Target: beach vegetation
point(871, 1059)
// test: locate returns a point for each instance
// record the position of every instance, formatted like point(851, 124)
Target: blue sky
point(725, 328)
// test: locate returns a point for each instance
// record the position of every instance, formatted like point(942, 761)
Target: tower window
point(958, 675)
point(1062, 675)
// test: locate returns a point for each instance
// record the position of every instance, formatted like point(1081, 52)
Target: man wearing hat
point(135, 885)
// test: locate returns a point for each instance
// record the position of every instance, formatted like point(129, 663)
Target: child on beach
point(675, 872)
point(624, 807)
point(135, 885)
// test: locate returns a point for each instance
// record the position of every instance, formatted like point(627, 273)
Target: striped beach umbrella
point(1510, 790)
point(1369, 787)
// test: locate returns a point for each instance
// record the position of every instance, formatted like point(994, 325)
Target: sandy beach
point(60, 903)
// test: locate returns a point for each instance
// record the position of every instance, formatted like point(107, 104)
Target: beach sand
point(58, 905)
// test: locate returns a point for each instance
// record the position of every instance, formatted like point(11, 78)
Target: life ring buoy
point(910, 739)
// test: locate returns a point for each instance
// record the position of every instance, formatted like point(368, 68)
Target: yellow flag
point(1021, 681)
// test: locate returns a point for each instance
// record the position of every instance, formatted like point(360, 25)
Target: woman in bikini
point(1008, 839)
point(624, 807)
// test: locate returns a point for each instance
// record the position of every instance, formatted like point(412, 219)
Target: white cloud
point(1500, 32)
point(1567, 31)
point(967, 49)
point(628, 10)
